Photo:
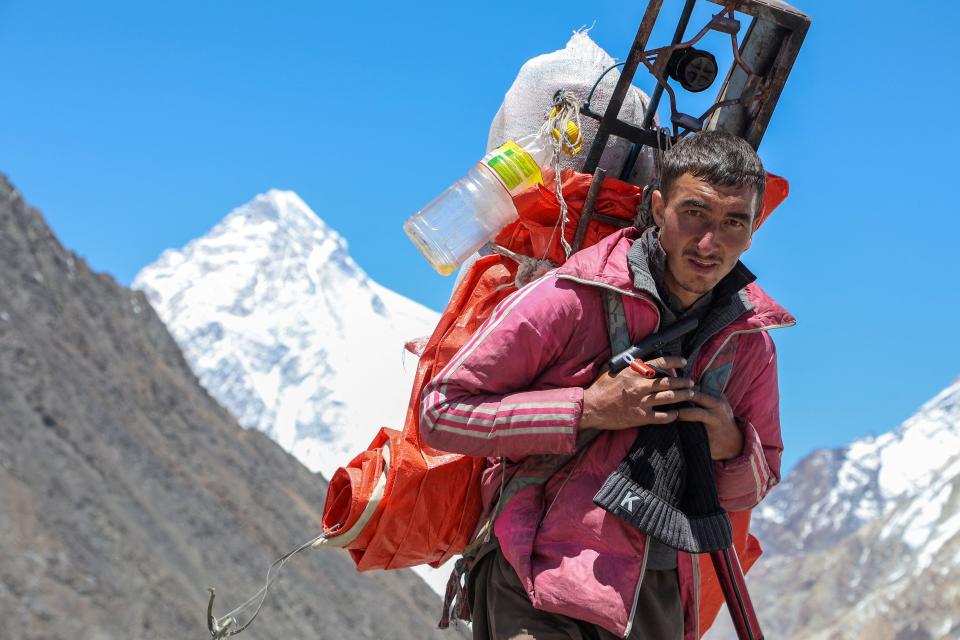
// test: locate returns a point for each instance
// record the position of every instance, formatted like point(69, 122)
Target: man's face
point(704, 228)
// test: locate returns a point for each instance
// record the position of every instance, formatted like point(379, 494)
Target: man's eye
point(736, 224)
point(693, 212)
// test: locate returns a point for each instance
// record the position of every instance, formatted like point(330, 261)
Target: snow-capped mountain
point(864, 541)
point(285, 330)
point(833, 493)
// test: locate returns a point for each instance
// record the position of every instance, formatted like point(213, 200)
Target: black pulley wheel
point(694, 69)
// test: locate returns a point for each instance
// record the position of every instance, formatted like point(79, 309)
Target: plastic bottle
point(477, 206)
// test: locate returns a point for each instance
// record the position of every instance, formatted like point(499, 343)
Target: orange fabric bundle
point(535, 232)
point(429, 501)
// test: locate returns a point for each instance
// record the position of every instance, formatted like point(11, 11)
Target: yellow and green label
point(514, 166)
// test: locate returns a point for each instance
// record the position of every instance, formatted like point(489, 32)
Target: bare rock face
point(125, 490)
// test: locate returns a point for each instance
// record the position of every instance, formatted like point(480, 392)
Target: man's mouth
point(702, 266)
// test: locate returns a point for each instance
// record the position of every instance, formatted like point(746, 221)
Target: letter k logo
point(628, 501)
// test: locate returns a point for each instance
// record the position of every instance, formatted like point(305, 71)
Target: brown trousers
point(501, 609)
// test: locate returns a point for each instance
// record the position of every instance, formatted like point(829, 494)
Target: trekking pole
point(730, 575)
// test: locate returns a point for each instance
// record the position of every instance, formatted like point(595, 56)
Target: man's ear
point(657, 207)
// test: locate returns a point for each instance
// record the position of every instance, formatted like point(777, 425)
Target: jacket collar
point(715, 311)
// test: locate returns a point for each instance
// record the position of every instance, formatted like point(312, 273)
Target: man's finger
point(655, 384)
point(668, 362)
point(705, 400)
point(694, 414)
point(663, 417)
point(665, 384)
point(668, 397)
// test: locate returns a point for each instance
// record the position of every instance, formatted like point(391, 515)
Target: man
point(532, 379)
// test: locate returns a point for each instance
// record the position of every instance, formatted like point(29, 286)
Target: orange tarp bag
point(402, 503)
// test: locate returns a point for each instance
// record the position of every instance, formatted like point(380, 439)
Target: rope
point(566, 110)
point(562, 128)
point(222, 627)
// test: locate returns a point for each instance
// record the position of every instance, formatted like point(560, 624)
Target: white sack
point(574, 68)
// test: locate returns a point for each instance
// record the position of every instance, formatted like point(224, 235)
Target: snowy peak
point(906, 461)
point(281, 326)
point(285, 219)
point(275, 227)
point(277, 204)
point(273, 246)
point(284, 209)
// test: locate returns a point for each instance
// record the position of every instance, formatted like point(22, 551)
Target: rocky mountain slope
point(864, 541)
point(126, 490)
point(287, 332)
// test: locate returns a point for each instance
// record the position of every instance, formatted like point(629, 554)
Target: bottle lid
point(572, 142)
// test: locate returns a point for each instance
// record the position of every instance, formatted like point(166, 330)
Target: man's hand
point(629, 400)
point(726, 440)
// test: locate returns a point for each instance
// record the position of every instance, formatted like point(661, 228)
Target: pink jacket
point(516, 389)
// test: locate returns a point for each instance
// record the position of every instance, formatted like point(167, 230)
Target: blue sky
point(135, 127)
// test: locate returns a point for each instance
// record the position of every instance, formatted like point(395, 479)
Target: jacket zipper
point(636, 593)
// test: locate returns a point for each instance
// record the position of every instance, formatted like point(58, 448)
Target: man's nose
point(707, 242)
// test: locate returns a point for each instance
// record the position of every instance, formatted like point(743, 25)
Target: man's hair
point(718, 157)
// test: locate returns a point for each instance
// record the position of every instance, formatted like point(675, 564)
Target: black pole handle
point(651, 344)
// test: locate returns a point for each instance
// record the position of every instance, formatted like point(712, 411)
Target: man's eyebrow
point(743, 217)
point(696, 204)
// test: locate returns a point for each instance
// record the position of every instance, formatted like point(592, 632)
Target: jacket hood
point(605, 264)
